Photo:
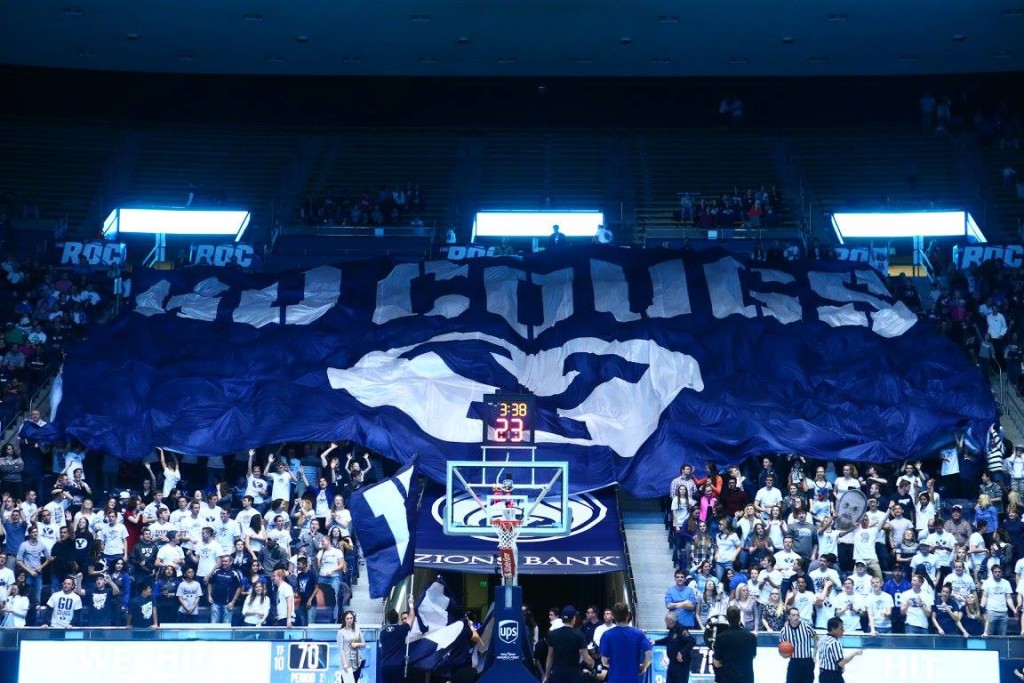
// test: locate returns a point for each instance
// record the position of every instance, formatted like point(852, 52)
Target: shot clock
point(508, 420)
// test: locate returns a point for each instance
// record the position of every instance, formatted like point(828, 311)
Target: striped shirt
point(830, 652)
point(802, 637)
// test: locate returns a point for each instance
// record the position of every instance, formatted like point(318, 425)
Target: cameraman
point(596, 671)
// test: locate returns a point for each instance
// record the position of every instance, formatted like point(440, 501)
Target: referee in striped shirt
point(831, 661)
point(803, 638)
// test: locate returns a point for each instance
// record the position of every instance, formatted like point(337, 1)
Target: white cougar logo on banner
point(617, 413)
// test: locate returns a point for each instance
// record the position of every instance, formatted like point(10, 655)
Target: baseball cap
point(568, 612)
point(859, 563)
point(958, 507)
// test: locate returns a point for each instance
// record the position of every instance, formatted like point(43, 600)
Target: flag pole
point(412, 583)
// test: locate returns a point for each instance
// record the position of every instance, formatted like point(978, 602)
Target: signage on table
point(1012, 255)
point(97, 253)
point(221, 255)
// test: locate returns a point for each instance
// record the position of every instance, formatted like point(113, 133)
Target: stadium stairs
point(649, 556)
point(369, 610)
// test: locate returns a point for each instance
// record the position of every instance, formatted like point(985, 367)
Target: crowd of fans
point(395, 205)
point(920, 559)
point(250, 540)
point(42, 310)
point(752, 209)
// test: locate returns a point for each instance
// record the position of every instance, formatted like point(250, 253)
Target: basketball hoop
point(507, 523)
point(508, 532)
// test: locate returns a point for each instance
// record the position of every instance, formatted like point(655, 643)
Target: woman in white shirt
point(172, 473)
point(924, 512)
point(848, 481)
point(350, 647)
point(15, 609)
point(728, 544)
point(255, 535)
point(257, 606)
point(777, 526)
point(340, 516)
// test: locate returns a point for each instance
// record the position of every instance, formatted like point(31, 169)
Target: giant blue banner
point(640, 360)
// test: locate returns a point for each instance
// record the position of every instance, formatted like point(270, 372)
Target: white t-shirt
point(322, 505)
point(257, 488)
point(209, 513)
point(64, 606)
point(162, 529)
point(208, 553)
point(978, 541)
point(784, 562)
point(171, 554)
point(826, 611)
point(261, 607)
point(861, 583)
point(864, 544)
point(281, 486)
point(818, 577)
point(113, 538)
point(192, 531)
point(244, 517)
point(285, 595)
point(804, 602)
point(942, 547)
point(844, 484)
point(996, 592)
point(915, 612)
point(961, 585)
point(851, 603)
point(728, 548)
point(329, 559)
point(226, 533)
point(6, 577)
point(877, 603)
point(171, 479)
point(49, 533)
point(828, 542)
point(766, 498)
point(877, 520)
point(189, 592)
point(178, 515)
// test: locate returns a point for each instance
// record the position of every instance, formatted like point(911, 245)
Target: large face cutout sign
point(850, 508)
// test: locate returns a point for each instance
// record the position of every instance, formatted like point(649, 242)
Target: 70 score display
point(303, 663)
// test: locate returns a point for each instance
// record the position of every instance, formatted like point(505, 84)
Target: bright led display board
point(889, 225)
point(536, 223)
point(197, 222)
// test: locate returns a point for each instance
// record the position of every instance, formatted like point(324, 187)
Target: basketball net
point(507, 525)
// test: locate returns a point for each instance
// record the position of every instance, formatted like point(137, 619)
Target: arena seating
point(873, 168)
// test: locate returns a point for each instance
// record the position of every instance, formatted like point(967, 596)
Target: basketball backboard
point(500, 487)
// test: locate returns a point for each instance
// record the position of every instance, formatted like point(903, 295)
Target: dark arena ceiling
point(546, 38)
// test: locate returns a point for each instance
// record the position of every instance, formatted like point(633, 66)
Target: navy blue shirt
point(223, 584)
